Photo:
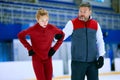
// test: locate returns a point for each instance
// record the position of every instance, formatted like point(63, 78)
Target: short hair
point(41, 12)
point(86, 4)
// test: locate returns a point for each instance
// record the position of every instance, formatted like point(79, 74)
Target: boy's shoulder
point(51, 26)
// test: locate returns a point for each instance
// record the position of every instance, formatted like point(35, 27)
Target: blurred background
point(17, 15)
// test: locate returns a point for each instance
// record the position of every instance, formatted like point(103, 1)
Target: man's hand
point(31, 52)
point(51, 52)
point(58, 36)
point(100, 62)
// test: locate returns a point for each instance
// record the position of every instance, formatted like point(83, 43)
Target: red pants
point(42, 68)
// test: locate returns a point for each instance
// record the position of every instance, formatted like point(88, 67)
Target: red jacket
point(41, 39)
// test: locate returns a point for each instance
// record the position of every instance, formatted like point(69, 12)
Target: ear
point(36, 19)
point(90, 12)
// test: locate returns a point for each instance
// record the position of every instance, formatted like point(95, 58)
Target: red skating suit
point(41, 41)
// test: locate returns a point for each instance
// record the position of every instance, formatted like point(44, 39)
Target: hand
point(51, 52)
point(100, 62)
point(31, 52)
point(58, 36)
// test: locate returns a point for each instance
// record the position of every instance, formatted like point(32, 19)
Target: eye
point(41, 21)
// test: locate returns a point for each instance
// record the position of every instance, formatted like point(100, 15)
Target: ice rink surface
point(108, 76)
point(22, 70)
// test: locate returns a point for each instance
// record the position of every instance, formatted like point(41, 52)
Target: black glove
point(31, 52)
point(51, 52)
point(100, 62)
point(58, 36)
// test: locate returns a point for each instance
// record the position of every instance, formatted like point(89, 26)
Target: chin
point(44, 26)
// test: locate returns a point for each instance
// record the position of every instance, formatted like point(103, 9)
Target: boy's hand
point(58, 36)
point(31, 52)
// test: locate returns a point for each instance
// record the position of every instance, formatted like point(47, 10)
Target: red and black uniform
point(41, 42)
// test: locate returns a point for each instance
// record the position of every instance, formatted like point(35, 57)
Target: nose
point(82, 15)
point(45, 22)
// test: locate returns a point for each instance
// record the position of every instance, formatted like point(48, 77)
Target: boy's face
point(43, 21)
point(84, 13)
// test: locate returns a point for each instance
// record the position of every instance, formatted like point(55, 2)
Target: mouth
point(44, 25)
point(82, 18)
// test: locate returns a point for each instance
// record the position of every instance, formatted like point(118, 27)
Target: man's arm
point(68, 29)
point(100, 42)
point(101, 48)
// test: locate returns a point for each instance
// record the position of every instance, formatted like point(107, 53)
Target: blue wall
point(111, 36)
point(9, 31)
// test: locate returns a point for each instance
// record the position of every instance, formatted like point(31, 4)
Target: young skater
point(41, 35)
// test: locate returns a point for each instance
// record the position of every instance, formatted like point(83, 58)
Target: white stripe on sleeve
point(68, 29)
point(100, 42)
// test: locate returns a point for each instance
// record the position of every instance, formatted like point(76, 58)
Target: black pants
point(82, 69)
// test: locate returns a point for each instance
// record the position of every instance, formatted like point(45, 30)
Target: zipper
point(86, 41)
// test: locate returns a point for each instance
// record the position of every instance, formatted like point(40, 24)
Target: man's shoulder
point(94, 20)
point(74, 19)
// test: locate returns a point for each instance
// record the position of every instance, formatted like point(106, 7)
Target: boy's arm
point(60, 36)
point(22, 38)
point(67, 31)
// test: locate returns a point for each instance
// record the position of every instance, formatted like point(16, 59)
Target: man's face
point(84, 13)
point(43, 21)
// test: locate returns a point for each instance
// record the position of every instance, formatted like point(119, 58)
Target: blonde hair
point(41, 12)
